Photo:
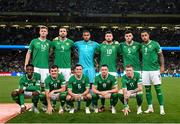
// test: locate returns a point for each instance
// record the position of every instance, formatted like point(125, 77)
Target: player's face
point(145, 36)
point(129, 72)
point(29, 70)
point(78, 70)
point(62, 32)
point(54, 72)
point(86, 36)
point(108, 37)
point(128, 37)
point(104, 71)
point(43, 32)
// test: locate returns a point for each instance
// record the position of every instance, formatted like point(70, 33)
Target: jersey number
point(109, 51)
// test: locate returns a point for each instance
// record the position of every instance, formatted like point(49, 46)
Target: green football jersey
point(108, 55)
point(78, 86)
point(62, 51)
point(40, 52)
point(130, 54)
point(32, 84)
point(105, 84)
point(54, 84)
point(150, 61)
point(131, 83)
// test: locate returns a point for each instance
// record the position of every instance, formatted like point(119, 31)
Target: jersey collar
point(78, 78)
point(62, 40)
point(105, 77)
point(130, 43)
point(31, 77)
point(148, 42)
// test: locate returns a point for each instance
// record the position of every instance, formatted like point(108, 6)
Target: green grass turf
point(171, 88)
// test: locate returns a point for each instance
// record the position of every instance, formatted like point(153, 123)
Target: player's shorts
point(66, 73)
point(43, 72)
point(90, 72)
point(113, 73)
point(149, 77)
point(28, 94)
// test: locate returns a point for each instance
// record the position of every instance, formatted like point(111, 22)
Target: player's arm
point(70, 88)
point(114, 87)
point(21, 86)
point(161, 61)
point(87, 87)
point(47, 91)
point(95, 91)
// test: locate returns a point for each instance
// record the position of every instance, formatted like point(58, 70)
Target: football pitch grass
point(171, 91)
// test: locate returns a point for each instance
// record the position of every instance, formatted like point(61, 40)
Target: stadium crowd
point(68, 7)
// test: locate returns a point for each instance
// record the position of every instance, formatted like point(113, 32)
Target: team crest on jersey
point(33, 80)
point(58, 81)
point(108, 81)
point(47, 44)
point(74, 82)
point(100, 82)
point(104, 85)
point(134, 47)
point(67, 44)
point(150, 46)
point(83, 81)
point(43, 47)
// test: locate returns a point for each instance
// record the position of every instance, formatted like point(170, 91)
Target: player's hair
point(108, 32)
point(30, 65)
point(43, 27)
point(53, 67)
point(145, 31)
point(78, 65)
point(128, 32)
point(129, 66)
point(62, 27)
point(86, 31)
point(104, 65)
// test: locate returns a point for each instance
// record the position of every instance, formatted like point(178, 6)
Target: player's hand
point(161, 69)
point(21, 91)
point(127, 95)
point(49, 110)
point(126, 111)
point(51, 93)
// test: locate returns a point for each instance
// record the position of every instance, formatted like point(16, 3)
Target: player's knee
point(21, 91)
point(14, 93)
point(68, 97)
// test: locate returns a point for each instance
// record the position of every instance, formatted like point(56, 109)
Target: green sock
point(42, 98)
point(95, 99)
point(148, 95)
point(121, 97)
point(35, 100)
point(139, 99)
point(103, 101)
point(21, 97)
point(88, 102)
point(62, 99)
point(114, 99)
point(159, 94)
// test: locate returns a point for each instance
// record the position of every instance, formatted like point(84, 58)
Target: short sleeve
point(158, 48)
point(47, 84)
point(139, 79)
point(70, 83)
point(114, 82)
point(31, 46)
point(124, 81)
point(21, 81)
point(95, 82)
point(63, 80)
point(87, 82)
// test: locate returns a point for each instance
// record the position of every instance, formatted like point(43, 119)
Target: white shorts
point(27, 94)
point(66, 73)
point(43, 72)
point(149, 77)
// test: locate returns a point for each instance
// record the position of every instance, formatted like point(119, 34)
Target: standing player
point(86, 49)
point(78, 89)
point(55, 87)
point(105, 86)
point(153, 65)
point(29, 87)
point(130, 51)
point(39, 49)
point(62, 47)
point(131, 87)
point(108, 51)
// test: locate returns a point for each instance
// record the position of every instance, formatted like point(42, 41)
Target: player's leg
point(43, 100)
point(113, 102)
point(88, 99)
point(121, 96)
point(70, 100)
point(156, 79)
point(139, 99)
point(62, 98)
point(21, 100)
point(35, 99)
point(95, 98)
point(147, 83)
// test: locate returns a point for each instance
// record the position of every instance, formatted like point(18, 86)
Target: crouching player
point(29, 87)
point(105, 86)
point(78, 89)
point(55, 89)
point(131, 87)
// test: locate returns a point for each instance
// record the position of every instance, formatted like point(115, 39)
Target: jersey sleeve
point(47, 84)
point(115, 83)
point(21, 85)
point(31, 46)
point(124, 81)
point(38, 80)
point(95, 82)
point(63, 80)
point(158, 48)
point(70, 84)
point(139, 80)
point(87, 83)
